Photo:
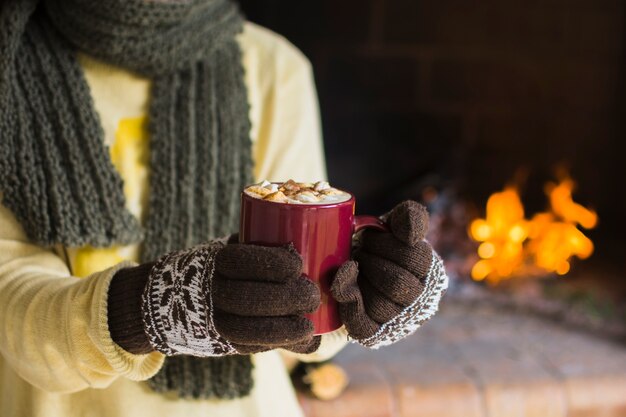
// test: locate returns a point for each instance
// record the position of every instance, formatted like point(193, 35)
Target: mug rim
point(303, 205)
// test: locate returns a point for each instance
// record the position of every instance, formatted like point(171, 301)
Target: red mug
point(322, 235)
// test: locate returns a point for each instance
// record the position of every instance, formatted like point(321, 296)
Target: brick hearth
point(479, 361)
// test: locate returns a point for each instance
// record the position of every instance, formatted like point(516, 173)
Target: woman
point(128, 129)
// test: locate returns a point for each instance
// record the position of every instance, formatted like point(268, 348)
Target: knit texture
point(176, 305)
point(396, 285)
point(214, 301)
point(260, 298)
point(409, 319)
point(198, 302)
point(55, 173)
point(124, 309)
point(409, 222)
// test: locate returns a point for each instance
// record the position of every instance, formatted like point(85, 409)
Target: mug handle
point(361, 222)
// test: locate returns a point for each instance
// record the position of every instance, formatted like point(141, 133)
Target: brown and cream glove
point(215, 299)
point(395, 281)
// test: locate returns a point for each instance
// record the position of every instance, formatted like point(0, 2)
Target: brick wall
point(464, 91)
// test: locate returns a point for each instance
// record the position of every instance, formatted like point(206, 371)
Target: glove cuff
point(413, 316)
point(176, 305)
point(124, 309)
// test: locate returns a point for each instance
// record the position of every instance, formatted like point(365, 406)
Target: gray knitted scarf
point(55, 171)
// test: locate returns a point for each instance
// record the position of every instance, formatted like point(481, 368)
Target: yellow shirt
point(57, 357)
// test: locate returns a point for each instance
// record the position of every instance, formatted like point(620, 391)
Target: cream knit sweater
point(57, 357)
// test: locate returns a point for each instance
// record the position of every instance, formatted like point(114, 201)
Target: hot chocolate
point(292, 192)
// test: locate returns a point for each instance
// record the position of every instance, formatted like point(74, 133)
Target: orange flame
point(512, 246)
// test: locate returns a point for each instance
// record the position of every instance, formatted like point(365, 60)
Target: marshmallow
point(292, 192)
point(261, 191)
point(291, 185)
point(278, 196)
point(321, 185)
point(307, 197)
point(332, 191)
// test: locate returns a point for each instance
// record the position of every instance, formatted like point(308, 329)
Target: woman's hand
point(216, 299)
point(395, 281)
point(260, 298)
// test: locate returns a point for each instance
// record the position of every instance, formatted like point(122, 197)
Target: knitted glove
point(214, 300)
point(396, 282)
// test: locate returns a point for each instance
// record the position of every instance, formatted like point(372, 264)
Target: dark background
point(469, 95)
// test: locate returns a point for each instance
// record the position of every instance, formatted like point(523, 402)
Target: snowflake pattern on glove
point(176, 307)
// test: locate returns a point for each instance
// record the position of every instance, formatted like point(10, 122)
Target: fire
point(512, 245)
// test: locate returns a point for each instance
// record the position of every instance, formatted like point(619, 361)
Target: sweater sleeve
point(286, 129)
point(53, 327)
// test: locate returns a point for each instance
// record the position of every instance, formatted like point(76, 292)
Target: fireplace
point(419, 96)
